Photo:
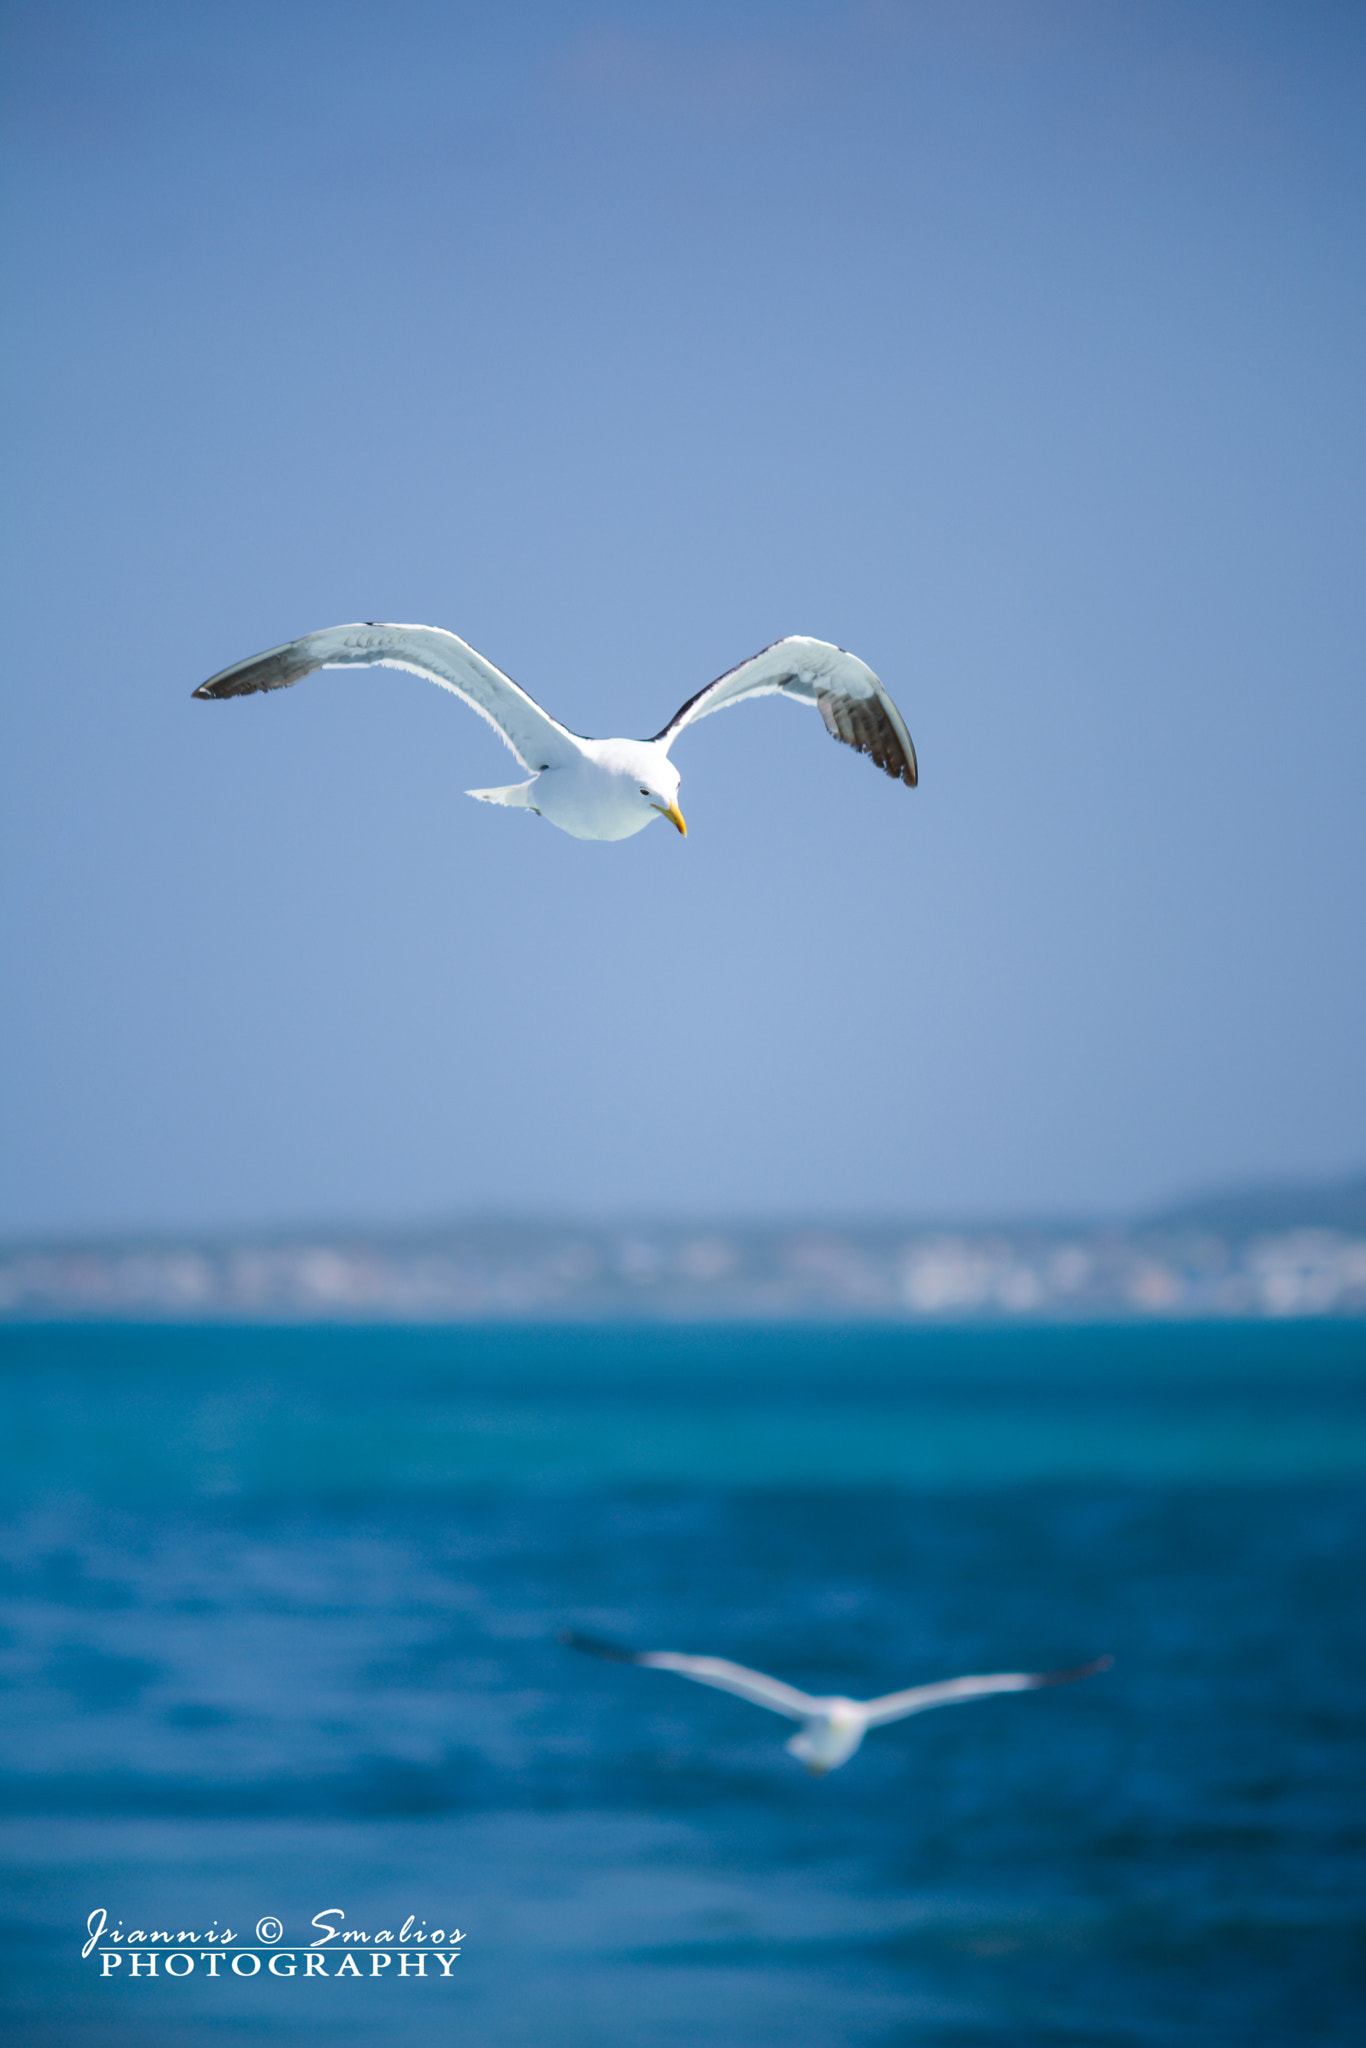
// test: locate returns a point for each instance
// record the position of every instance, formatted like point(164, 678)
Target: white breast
point(596, 795)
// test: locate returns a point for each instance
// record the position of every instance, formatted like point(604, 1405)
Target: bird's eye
point(645, 792)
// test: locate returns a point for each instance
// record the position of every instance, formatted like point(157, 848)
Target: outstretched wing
point(849, 697)
point(895, 1706)
point(537, 739)
point(717, 1671)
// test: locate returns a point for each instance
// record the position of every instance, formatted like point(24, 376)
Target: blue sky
point(1015, 346)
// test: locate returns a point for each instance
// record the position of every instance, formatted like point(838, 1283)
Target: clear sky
point(1017, 346)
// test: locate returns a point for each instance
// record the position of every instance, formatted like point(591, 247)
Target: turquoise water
point(279, 1631)
point(188, 1413)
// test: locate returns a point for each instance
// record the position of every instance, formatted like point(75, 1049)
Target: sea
point(281, 1661)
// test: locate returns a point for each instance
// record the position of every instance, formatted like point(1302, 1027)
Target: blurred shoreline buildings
point(1264, 1253)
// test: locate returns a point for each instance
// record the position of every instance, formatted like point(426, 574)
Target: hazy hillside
point(1249, 1210)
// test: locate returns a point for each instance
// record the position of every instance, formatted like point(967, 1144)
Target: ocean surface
point(278, 1639)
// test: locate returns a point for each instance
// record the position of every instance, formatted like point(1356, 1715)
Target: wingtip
point(596, 1646)
point(1076, 1671)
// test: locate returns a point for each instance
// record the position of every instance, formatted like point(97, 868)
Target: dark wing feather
point(275, 670)
point(862, 723)
point(598, 1646)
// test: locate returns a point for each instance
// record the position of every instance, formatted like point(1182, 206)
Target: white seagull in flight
point(831, 1729)
point(595, 789)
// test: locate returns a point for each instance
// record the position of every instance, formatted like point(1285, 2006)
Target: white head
point(829, 1739)
point(652, 778)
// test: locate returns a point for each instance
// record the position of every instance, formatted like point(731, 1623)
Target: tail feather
point(516, 794)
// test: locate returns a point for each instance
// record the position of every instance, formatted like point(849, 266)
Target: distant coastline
point(1267, 1252)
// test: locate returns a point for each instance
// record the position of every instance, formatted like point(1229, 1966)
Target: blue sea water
point(279, 1635)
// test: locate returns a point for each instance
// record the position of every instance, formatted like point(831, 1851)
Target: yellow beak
point(674, 816)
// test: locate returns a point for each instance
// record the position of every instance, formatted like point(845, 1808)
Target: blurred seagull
point(595, 789)
point(831, 1729)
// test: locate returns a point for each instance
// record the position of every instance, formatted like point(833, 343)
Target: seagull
point(831, 1729)
point(594, 789)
